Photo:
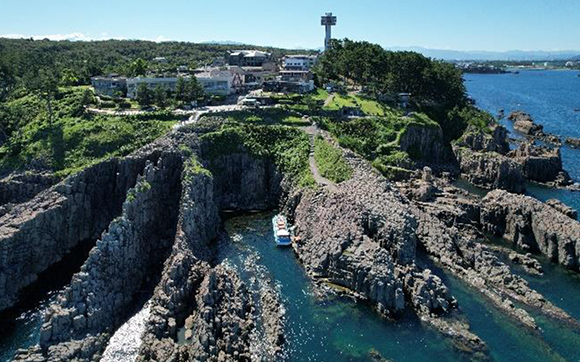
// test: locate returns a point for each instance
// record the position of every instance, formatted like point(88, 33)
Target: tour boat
point(281, 231)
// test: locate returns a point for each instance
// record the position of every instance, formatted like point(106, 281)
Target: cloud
point(71, 36)
point(161, 38)
point(78, 37)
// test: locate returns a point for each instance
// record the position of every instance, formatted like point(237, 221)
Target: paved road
point(194, 115)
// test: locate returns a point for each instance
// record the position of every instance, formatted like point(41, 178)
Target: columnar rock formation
point(104, 291)
point(533, 225)
point(36, 234)
point(363, 238)
point(490, 170)
point(486, 161)
point(21, 187)
point(425, 143)
point(541, 164)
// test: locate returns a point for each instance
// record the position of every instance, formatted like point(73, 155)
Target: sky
point(491, 25)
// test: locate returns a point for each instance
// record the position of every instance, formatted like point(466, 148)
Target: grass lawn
point(269, 116)
point(368, 106)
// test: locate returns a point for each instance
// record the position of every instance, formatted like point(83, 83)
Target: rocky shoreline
point(373, 238)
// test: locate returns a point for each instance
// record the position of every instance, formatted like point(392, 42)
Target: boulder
point(573, 142)
point(523, 123)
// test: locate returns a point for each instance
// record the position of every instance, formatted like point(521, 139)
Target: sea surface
point(340, 329)
point(551, 97)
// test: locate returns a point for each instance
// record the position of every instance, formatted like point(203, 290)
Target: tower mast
point(328, 21)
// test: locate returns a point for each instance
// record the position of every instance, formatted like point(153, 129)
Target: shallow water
point(20, 326)
point(551, 98)
point(341, 330)
point(325, 330)
point(125, 342)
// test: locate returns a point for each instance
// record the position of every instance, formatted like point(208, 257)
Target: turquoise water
point(20, 326)
point(338, 329)
point(21, 330)
point(551, 97)
point(335, 329)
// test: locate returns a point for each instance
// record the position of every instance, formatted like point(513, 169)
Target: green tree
point(144, 95)
point(138, 68)
point(8, 79)
point(195, 90)
point(44, 82)
point(68, 77)
point(160, 96)
point(181, 90)
point(88, 97)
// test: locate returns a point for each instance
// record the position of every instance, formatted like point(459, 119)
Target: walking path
point(312, 132)
point(329, 100)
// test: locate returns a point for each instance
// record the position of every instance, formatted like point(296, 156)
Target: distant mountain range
point(223, 42)
point(514, 55)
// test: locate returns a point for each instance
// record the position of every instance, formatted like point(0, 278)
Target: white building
point(152, 83)
point(216, 81)
point(299, 62)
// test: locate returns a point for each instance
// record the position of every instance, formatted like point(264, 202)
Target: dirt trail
point(312, 132)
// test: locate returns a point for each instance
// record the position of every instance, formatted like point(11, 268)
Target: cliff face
point(496, 141)
point(238, 181)
point(36, 234)
point(363, 237)
point(102, 293)
point(425, 143)
point(243, 182)
point(22, 187)
point(541, 164)
point(533, 225)
point(490, 170)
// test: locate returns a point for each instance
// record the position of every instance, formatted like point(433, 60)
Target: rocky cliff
point(103, 292)
point(533, 225)
point(490, 170)
point(37, 233)
point(363, 238)
point(541, 164)
point(385, 244)
point(425, 143)
point(21, 187)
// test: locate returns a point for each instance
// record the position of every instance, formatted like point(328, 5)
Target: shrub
point(330, 162)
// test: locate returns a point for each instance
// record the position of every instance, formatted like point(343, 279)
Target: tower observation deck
point(328, 21)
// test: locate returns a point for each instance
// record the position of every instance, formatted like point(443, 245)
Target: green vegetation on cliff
point(287, 147)
point(330, 162)
point(378, 139)
point(72, 139)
